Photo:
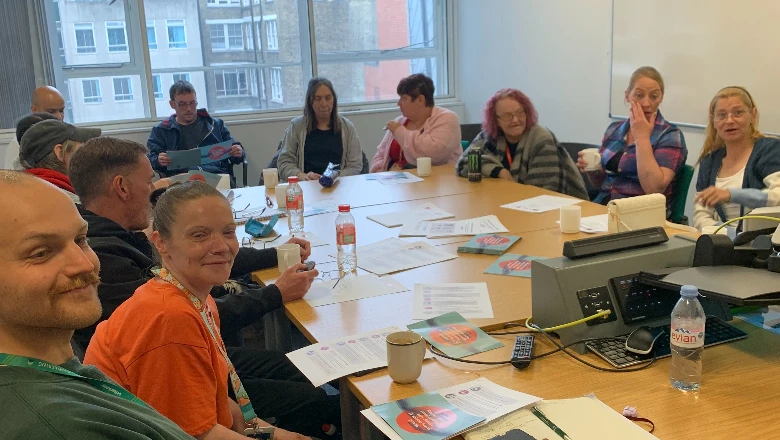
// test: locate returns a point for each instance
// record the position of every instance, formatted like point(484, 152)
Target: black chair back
point(573, 148)
point(469, 131)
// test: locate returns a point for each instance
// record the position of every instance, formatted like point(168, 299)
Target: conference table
point(740, 385)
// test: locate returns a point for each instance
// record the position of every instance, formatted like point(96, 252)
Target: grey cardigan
point(291, 157)
point(539, 161)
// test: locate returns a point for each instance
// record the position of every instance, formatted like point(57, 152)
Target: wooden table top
point(739, 395)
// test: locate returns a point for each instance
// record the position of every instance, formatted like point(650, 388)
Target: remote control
point(521, 354)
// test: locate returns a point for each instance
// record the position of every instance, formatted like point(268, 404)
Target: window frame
point(154, 32)
point(444, 51)
point(99, 95)
point(268, 21)
point(157, 79)
point(278, 98)
point(130, 95)
point(113, 25)
point(225, 29)
point(168, 34)
point(188, 76)
point(237, 72)
point(223, 3)
point(76, 28)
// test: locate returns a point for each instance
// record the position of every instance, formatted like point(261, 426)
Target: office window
point(85, 37)
point(177, 36)
point(116, 35)
point(91, 91)
point(123, 89)
point(276, 85)
point(226, 36)
point(151, 35)
point(157, 84)
point(270, 32)
point(181, 77)
point(60, 46)
point(231, 82)
point(231, 53)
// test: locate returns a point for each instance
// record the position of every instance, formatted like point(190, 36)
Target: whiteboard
point(699, 47)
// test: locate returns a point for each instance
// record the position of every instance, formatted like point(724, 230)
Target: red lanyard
point(508, 156)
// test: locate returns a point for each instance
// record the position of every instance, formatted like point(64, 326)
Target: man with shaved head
point(45, 99)
point(48, 288)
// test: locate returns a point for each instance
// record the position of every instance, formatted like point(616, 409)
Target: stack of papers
point(454, 336)
point(428, 211)
point(471, 300)
point(382, 260)
point(513, 265)
point(541, 204)
point(479, 398)
point(352, 288)
point(488, 224)
point(491, 244)
point(329, 360)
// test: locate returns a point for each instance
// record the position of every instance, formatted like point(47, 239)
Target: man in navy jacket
point(188, 128)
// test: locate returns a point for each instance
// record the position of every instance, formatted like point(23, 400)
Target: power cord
point(528, 324)
point(758, 217)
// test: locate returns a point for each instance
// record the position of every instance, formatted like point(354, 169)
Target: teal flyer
point(454, 336)
point(513, 265)
point(425, 417)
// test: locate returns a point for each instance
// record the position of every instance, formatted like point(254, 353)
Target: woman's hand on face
point(641, 127)
point(713, 196)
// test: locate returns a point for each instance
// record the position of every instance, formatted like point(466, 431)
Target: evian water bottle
point(687, 340)
point(294, 204)
point(346, 241)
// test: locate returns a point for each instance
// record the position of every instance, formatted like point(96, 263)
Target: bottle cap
point(292, 179)
point(689, 291)
point(343, 208)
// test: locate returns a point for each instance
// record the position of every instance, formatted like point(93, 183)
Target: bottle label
point(345, 234)
point(688, 337)
point(294, 202)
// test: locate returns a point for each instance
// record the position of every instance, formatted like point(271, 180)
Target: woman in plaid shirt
point(641, 155)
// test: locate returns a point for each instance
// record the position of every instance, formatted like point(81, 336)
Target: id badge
point(261, 432)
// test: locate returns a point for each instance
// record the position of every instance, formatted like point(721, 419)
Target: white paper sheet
point(415, 229)
point(428, 211)
point(414, 255)
point(471, 300)
point(336, 358)
point(400, 179)
point(321, 207)
point(541, 203)
point(350, 289)
point(480, 397)
point(488, 224)
point(593, 224)
point(378, 247)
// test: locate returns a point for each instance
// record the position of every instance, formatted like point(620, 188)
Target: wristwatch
point(261, 432)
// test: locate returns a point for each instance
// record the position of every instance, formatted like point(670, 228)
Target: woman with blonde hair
point(643, 154)
point(739, 165)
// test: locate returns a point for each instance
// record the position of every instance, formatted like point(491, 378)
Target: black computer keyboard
point(614, 351)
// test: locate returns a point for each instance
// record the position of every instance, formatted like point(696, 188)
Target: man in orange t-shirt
point(159, 330)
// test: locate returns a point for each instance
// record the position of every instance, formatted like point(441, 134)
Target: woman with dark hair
point(515, 147)
point(164, 342)
point(422, 130)
point(323, 135)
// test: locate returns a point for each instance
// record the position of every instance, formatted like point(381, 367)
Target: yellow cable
point(600, 314)
point(758, 217)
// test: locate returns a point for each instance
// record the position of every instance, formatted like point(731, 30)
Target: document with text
point(413, 255)
point(541, 204)
point(471, 300)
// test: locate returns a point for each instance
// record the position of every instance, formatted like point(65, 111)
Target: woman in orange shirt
point(163, 344)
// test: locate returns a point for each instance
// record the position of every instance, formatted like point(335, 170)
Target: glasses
point(193, 104)
point(736, 114)
point(251, 242)
point(329, 275)
point(507, 117)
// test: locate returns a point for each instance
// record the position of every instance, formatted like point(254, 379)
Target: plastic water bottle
point(687, 340)
point(294, 204)
point(345, 241)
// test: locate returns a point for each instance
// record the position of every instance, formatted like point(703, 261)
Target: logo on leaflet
point(217, 151)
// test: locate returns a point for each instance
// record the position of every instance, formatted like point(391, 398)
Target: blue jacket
point(166, 136)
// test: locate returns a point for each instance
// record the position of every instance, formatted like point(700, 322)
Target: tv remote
point(521, 353)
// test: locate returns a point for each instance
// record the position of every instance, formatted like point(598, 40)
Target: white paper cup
point(423, 166)
point(570, 219)
point(405, 354)
point(287, 255)
point(592, 157)
point(281, 191)
point(270, 177)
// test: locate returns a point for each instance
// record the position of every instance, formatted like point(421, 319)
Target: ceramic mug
point(270, 177)
point(592, 158)
point(405, 354)
point(423, 166)
point(281, 192)
point(287, 255)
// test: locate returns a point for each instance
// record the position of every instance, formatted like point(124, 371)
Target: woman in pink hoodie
point(422, 130)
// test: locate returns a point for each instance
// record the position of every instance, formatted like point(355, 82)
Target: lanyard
point(37, 364)
point(508, 155)
point(238, 388)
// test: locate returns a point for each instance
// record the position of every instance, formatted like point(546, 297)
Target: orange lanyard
point(508, 156)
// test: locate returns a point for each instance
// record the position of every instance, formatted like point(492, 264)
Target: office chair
point(680, 192)
point(468, 132)
point(573, 148)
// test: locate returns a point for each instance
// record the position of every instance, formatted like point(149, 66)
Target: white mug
point(423, 166)
point(281, 193)
point(270, 177)
point(592, 158)
point(570, 219)
point(405, 354)
point(287, 255)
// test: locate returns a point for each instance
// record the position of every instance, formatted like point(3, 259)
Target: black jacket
point(126, 259)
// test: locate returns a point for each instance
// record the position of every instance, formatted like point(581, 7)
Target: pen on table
point(549, 423)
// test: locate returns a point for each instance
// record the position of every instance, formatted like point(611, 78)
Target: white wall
point(557, 52)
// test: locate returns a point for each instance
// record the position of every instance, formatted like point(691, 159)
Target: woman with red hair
point(515, 147)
